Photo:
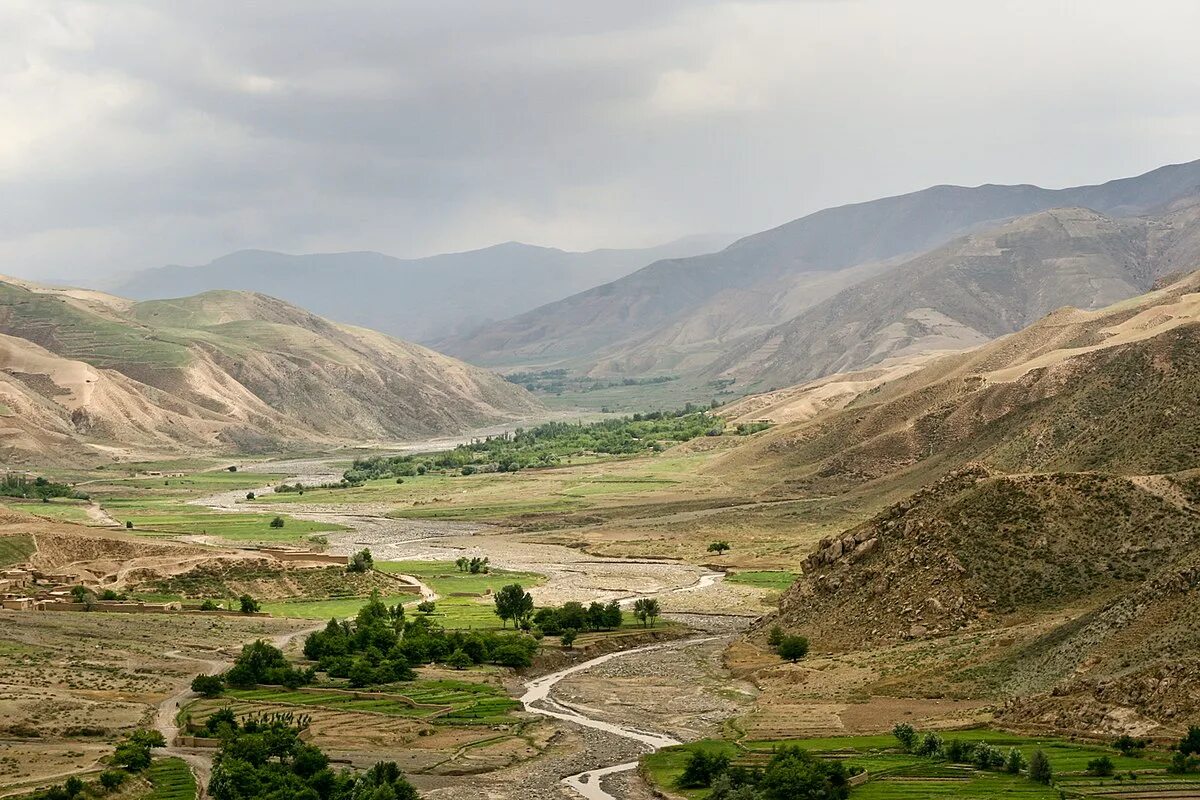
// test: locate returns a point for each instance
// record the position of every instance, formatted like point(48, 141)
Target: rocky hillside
point(690, 314)
point(82, 373)
point(1048, 487)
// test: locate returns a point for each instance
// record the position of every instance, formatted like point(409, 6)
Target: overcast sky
point(134, 134)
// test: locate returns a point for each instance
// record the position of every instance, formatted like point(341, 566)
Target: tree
point(208, 685)
point(248, 605)
point(461, 563)
point(795, 774)
point(459, 660)
point(277, 522)
point(1015, 761)
point(362, 561)
point(79, 594)
point(249, 495)
point(1190, 743)
point(568, 637)
point(210, 605)
point(513, 602)
point(718, 547)
point(129, 524)
point(906, 735)
point(112, 779)
point(646, 610)
point(701, 769)
point(613, 615)
point(775, 637)
point(793, 648)
point(1101, 767)
point(1039, 768)
point(1128, 745)
point(426, 607)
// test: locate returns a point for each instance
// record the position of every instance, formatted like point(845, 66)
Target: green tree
point(793, 648)
point(1190, 743)
point(1015, 761)
point(249, 495)
point(905, 735)
point(208, 685)
point(513, 602)
point(112, 779)
point(646, 610)
point(426, 607)
point(701, 769)
point(718, 547)
point(210, 605)
point(568, 637)
point(277, 522)
point(1039, 768)
point(1101, 767)
point(459, 660)
point(362, 561)
point(248, 605)
point(775, 637)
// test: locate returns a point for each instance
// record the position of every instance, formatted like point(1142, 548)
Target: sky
point(135, 134)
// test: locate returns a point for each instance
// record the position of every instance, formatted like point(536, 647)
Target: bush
point(568, 637)
point(1015, 762)
point(775, 637)
point(208, 685)
point(210, 605)
point(1101, 767)
point(277, 522)
point(426, 606)
point(1129, 746)
point(248, 605)
point(929, 745)
point(128, 524)
point(459, 660)
point(793, 648)
point(362, 561)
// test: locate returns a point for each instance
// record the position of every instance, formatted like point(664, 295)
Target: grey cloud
point(143, 132)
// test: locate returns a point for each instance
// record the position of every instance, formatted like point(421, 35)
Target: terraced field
point(171, 779)
point(172, 518)
point(15, 549)
point(896, 775)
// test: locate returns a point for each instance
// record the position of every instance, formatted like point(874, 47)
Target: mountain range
point(844, 288)
point(89, 375)
point(415, 299)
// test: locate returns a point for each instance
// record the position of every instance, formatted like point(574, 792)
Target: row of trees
point(573, 618)
point(16, 484)
point(546, 444)
point(982, 755)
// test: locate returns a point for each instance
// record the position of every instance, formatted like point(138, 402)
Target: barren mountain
point(418, 299)
point(685, 314)
point(84, 372)
point(973, 290)
point(1055, 476)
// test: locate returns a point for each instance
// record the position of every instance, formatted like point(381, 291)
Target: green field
point(171, 518)
point(445, 579)
point(340, 607)
point(776, 580)
point(57, 508)
point(467, 703)
point(896, 775)
point(16, 549)
point(171, 779)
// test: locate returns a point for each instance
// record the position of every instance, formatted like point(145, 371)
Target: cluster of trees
point(571, 618)
point(791, 774)
point(267, 758)
point(980, 754)
point(546, 444)
point(132, 755)
point(262, 662)
point(380, 646)
point(16, 484)
point(789, 647)
point(646, 610)
point(474, 566)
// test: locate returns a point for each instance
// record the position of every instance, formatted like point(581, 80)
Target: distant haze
point(137, 134)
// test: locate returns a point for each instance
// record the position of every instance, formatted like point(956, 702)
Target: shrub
point(568, 637)
point(775, 637)
point(426, 606)
point(210, 605)
point(277, 522)
point(793, 648)
point(1128, 745)
point(1101, 767)
point(459, 660)
point(1015, 762)
point(248, 605)
point(362, 561)
point(929, 745)
point(128, 524)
